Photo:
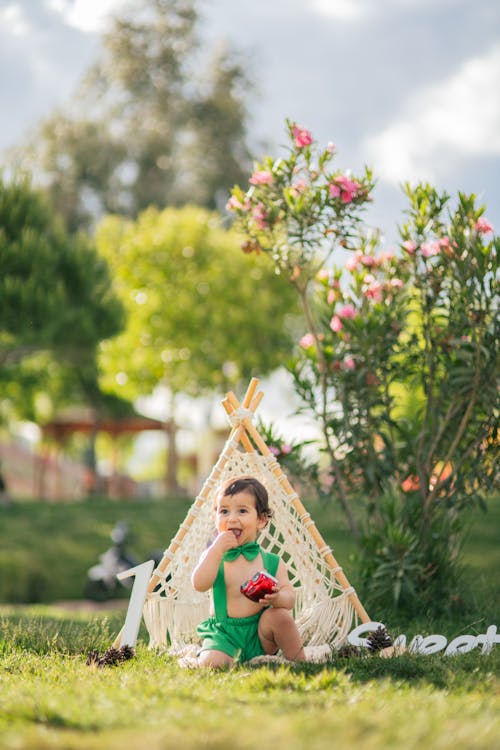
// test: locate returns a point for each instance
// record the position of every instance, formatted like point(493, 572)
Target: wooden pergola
point(88, 421)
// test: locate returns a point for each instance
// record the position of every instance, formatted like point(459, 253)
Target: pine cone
point(110, 658)
point(126, 653)
point(93, 659)
point(347, 650)
point(378, 639)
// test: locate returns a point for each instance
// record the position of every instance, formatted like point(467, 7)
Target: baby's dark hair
point(255, 488)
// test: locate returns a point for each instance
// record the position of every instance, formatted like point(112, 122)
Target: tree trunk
point(171, 486)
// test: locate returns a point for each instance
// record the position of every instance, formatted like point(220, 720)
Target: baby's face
point(238, 514)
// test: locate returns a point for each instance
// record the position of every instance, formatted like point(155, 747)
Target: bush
point(398, 363)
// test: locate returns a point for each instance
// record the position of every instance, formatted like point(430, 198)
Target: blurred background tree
point(56, 304)
point(159, 119)
point(156, 121)
point(200, 316)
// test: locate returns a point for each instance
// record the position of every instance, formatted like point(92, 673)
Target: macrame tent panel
point(326, 606)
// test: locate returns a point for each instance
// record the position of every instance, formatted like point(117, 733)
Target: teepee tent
point(327, 607)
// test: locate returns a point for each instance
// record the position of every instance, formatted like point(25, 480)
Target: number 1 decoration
point(142, 574)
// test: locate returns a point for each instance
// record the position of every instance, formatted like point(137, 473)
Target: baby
point(238, 628)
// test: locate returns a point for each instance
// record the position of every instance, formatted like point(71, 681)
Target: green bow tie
point(249, 550)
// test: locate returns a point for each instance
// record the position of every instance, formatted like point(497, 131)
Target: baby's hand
point(269, 600)
point(224, 541)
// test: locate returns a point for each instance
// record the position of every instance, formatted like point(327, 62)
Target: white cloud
point(454, 118)
point(86, 15)
point(13, 19)
point(353, 10)
point(342, 10)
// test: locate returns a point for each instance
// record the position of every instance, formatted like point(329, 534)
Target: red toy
point(260, 584)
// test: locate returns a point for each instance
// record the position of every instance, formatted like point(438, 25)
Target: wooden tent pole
point(299, 507)
point(247, 399)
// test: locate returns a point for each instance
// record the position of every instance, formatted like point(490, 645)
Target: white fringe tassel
point(173, 620)
point(326, 621)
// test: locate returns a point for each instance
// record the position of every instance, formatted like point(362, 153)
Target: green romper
point(236, 636)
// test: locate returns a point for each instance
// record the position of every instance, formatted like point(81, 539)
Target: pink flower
point(410, 246)
point(274, 450)
point(352, 263)
point(374, 291)
point(323, 275)
point(331, 147)
point(430, 248)
point(348, 311)
point(368, 260)
point(301, 136)
point(483, 226)
point(234, 204)
point(349, 364)
point(260, 214)
point(331, 296)
point(334, 190)
point(344, 187)
point(286, 449)
point(348, 197)
point(261, 177)
point(307, 341)
point(396, 283)
point(336, 324)
point(346, 184)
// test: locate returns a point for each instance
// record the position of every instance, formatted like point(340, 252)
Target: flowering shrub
point(298, 209)
point(398, 358)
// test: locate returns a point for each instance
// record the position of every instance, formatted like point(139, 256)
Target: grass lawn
point(50, 699)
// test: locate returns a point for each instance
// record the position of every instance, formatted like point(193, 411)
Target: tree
point(199, 318)
point(398, 362)
point(56, 301)
point(154, 122)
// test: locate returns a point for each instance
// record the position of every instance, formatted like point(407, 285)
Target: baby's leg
point(277, 629)
point(214, 659)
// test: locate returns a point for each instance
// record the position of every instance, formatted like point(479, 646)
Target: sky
point(410, 88)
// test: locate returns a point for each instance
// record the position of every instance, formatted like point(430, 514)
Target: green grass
point(51, 700)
